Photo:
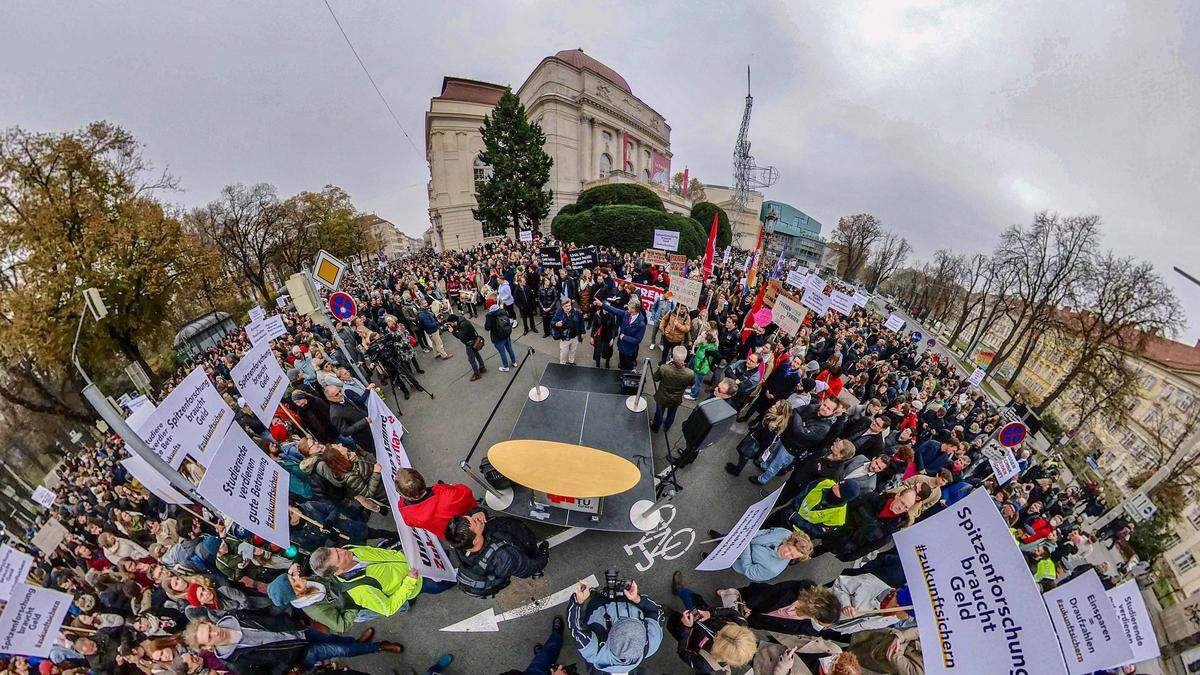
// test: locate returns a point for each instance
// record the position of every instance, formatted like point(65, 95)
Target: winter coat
point(760, 560)
point(705, 355)
point(674, 328)
point(434, 511)
point(383, 585)
point(671, 381)
point(630, 329)
point(360, 479)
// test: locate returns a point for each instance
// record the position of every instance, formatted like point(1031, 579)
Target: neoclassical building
point(596, 130)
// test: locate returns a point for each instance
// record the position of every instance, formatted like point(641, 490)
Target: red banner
point(661, 171)
point(648, 294)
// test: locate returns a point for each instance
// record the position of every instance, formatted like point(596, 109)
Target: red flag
point(685, 181)
point(711, 249)
point(752, 275)
point(758, 303)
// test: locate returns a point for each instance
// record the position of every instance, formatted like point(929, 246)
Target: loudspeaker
point(708, 423)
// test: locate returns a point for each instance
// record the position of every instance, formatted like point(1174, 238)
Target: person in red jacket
point(431, 508)
point(832, 377)
point(1040, 529)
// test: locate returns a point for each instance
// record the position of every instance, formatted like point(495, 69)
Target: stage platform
point(585, 407)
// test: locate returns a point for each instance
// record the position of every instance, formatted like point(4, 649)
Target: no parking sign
point(1011, 434)
point(342, 306)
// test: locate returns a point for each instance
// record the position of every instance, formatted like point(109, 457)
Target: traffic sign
point(342, 306)
point(328, 270)
point(1011, 434)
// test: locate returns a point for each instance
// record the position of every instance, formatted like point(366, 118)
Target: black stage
point(585, 407)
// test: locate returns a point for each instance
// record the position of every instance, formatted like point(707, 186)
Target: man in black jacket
point(276, 646)
point(350, 420)
point(465, 332)
point(495, 549)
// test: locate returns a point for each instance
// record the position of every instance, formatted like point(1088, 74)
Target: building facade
point(1162, 419)
point(389, 240)
point(789, 229)
point(595, 127)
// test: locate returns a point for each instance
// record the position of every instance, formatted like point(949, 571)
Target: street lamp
point(95, 306)
point(1187, 276)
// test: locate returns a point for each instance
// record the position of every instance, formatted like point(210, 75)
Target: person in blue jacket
point(631, 326)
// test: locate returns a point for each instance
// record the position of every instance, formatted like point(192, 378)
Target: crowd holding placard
point(867, 432)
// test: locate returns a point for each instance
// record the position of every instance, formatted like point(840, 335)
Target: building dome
point(582, 61)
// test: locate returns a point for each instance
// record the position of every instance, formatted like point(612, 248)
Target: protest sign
point(860, 299)
point(894, 322)
point(732, 545)
point(31, 620)
point(815, 283)
point(648, 294)
point(281, 301)
point(1135, 621)
point(976, 378)
point(685, 291)
point(261, 381)
point(192, 419)
point(270, 328)
point(245, 484)
point(14, 568)
point(796, 279)
point(422, 548)
point(1087, 626)
point(526, 235)
point(655, 257)
point(152, 480)
point(676, 262)
point(725, 258)
point(49, 536)
point(973, 594)
point(788, 315)
point(815, 300)
point(841, 302)
point(44, 497)
point(582, 257)
point(1004, 463)
point(666, 240)
point(257, 313)
point(550, 256)
point(137, 402)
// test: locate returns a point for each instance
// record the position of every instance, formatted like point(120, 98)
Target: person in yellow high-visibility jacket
point(378, 580)
point(822, 508)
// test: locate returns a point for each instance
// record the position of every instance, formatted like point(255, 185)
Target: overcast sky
point(948, 121)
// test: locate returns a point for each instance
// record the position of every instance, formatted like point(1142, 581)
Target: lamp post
point(95, 306)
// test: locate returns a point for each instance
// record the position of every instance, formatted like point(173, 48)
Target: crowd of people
point(868, 431)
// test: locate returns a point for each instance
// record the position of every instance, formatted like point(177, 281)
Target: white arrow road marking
point(488, 621)
point(565, 536)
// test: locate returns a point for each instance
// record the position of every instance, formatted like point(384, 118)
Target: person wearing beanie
point(499, 326)
point(315, 599)
point(622, 644)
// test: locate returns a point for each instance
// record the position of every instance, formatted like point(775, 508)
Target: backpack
point(474, 579)
point(504, 325)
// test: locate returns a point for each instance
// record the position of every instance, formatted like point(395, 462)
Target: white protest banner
point(266, 330)
point(666, 240)
point(192, 419)
point(842, 302)
point(281, 301)
point(257, 313)
point(725, 258)
point(976, 377)
point(422, 548)
point(815, 283)
point(860, 299)
point(31, 619)
point(137, 402)
point(50, 536)
point(796, 279)
point(815, 300)
point(14, 568)
point(44, 497)
point(152, 480)
point(260, 381)
point(732, 545)
point(788, 315)
point(1004, 464)
point(1135, 621)
point(1089, 631)
point(973, 594)
point(894, 322)
point(685, 291)
point(245, 484)
point(526, 235)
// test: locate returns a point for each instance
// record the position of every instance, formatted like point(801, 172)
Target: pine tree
point(513, 195)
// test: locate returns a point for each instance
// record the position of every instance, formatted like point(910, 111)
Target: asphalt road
point(439, 433)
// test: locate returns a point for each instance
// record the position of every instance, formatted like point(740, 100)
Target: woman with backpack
point(499, 326)
point(763, 437)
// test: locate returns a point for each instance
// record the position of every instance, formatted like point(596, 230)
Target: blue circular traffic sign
point(1011, 434)
point(342, 306)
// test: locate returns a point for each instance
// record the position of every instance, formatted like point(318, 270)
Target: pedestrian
point(499, 326)
point(671, 381)
point(493, 550)
point(568, 330)
point(464, 330)
point(251, 645)
point(631, 326)
point(432, 331)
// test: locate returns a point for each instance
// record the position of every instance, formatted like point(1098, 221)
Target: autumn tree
point(512, 193)
point(243, 225)
point(855, 235)
point(78, 210)
point(312, 221)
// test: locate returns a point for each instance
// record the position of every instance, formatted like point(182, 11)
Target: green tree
point(513, 195)
point(77, 210)
point(629, 228)
point(312, 221)
point(702, 212)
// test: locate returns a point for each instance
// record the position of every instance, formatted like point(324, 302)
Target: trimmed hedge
point(629, 228)
point(702, 212)
point(619, 193)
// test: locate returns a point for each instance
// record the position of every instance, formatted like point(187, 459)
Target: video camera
point(614, 585)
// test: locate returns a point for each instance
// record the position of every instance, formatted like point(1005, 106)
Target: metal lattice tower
point(748, 176)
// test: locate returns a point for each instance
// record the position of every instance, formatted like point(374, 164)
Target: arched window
point(605, 164)
point(482, 171)
point(646, 175)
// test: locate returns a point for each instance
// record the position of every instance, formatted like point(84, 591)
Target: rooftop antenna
point(748, 176)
